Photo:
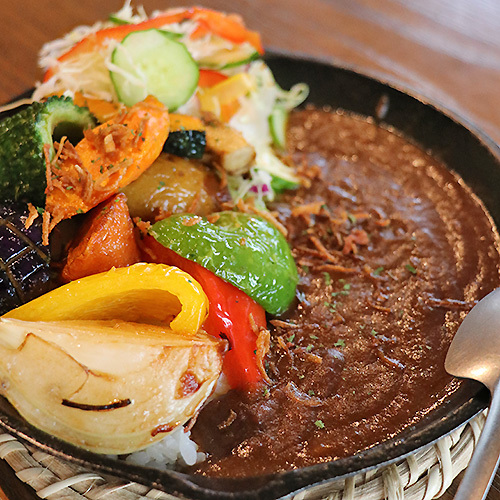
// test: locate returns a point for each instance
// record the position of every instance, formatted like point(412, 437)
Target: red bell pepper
point(228, 26)
point(229, 315)
point(210, 77)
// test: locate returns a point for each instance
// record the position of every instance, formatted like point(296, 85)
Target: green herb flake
point(374, 332)
point(266, 392)
point(313, 337)
point(161, 184)
point(319, 424)
point(378, 271)
point(305, 269)
point(352, 218)
point(327, 278)
point(309, 348)
point(310, 392)
point(339, 343)
point(291, 338)
point(411, 269)
point(79, 211)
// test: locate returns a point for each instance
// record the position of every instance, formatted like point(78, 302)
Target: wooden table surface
point(447, 49)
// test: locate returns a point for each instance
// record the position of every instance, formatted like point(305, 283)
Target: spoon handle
point(481, 469)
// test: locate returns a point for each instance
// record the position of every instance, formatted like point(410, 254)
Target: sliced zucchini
point(225, 58)
point(22, 140)
point(151, 62)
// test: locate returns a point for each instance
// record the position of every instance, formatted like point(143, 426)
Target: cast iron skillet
point(463, 149)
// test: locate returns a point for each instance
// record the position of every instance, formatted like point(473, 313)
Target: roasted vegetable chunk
point(26, 143)
point(242, 249)
point(113, 387)
point(229, 148)
point(24, 263)
point(108, 158)
point(142, 293)
point(186, 143)
point(173, 185)
point(106, 240)
point(128, 360)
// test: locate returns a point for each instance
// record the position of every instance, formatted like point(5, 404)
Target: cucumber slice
point(278, 120)
point(117, 20)
point(283, 177)
point(279, 184)
point(172, 34)
point(151, 62)
point(225, 58)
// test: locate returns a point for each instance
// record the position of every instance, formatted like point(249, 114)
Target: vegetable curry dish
point(221, 281)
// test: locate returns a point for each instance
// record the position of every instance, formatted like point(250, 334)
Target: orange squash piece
point(101, 109)
point(106, 240)
point(107, 159)
point(185, 122)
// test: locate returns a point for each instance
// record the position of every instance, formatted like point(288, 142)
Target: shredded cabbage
point(126, 14)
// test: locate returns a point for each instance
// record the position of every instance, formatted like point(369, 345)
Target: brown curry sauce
point(392, 251)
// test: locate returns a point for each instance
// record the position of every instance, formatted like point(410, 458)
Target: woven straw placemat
point(425, 475)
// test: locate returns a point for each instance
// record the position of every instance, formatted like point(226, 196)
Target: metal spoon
point(475, 354)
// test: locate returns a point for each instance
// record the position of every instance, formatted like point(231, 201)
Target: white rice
point(177, 447)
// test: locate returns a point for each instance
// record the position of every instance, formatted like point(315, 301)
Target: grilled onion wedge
point(110, 387)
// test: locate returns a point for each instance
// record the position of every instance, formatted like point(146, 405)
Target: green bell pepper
point(243, 249)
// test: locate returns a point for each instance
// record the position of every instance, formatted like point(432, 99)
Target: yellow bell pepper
point(222, 99)
point(143, 293)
